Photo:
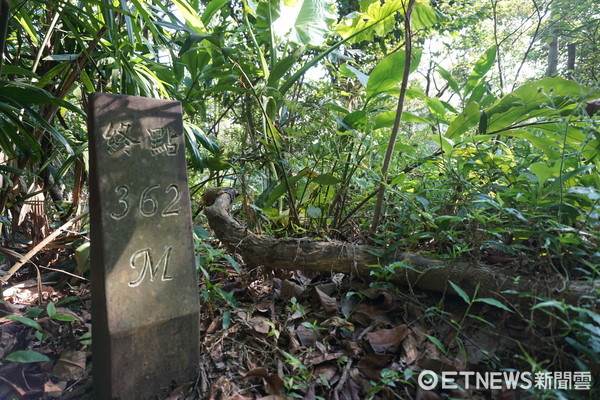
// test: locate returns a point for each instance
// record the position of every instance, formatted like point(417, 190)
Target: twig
point(344, 377)
point(27, 257)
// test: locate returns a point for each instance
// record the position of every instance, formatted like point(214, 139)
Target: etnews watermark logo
point(566, 380)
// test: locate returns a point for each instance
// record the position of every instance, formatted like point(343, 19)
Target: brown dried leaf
point(410, 346)
point(365, 315)
point(384, 297)
point(239, 397)
point(372, 364)
point(290, 289)
point(52, 389)
point(329, 304)
point(273, 383)
point(307, 336)
point(387, 339)
point(337, 322)
point(70, 365)
point(328, 371)
point(259, 324)
point(353, 349)
point(318, 357)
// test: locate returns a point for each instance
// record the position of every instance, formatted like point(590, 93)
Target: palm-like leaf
point(307, 22)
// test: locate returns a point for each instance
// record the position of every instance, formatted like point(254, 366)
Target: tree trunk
point(553, 56)
point(418, 272)
point(571, 50)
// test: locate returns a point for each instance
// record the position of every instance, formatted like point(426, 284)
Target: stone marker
point(145, 303)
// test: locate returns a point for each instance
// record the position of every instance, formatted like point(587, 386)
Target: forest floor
point(277, 335)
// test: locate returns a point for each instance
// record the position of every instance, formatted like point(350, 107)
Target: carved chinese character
point(119, 138)
point(160, 141)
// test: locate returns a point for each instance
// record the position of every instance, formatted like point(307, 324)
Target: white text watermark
point(567, 380)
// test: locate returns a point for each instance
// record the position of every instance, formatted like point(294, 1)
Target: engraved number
point(170, 209)
point(148, 204)
point(123, 200)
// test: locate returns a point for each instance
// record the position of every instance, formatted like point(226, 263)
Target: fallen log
point(417, 271)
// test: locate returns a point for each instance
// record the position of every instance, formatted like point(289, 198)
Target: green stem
point(390, 149)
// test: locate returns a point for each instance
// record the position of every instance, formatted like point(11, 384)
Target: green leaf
point(211, 9)
point(543, 171)
point(377, 19)
point(51, 309)
point(26, 356)
point(326, 179)
point(534, 99)
point(86, 338)
point(14, 70)
point(283, 67)
point(87, 82)
point(61, 57)
point(483, 65)
point(463, 121)
point(201, 232)
point(478, 318)
point(191, 16)
point(460, 292)
point(82, 258)
point(313, 212)
point(26, 321)
point(493, 302)
point(423, 15)
point(436, 342)
point(307, 22)
point(436, 106)
point(63, 318)
point(389, 72)
point(348, 70)
point(482, 123)
point(448, 78)
point(386, 119)
point(272, 195)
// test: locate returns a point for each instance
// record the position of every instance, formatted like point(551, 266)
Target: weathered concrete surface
point(145, 300)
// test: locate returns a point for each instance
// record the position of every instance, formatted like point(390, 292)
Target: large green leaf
point(389, 72)
point(377, 18)
point(534, 99)
point(306, 22)
point(191, 16)
point(387, 119)
point(463, 121)
point(483, 65)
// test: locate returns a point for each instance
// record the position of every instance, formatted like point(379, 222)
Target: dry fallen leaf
point(411, 348)
point(387, 340)
point(307, 336)
point(290, 289)
point(52, 389)
point(372, 364)
point(329, 304)
point(260, 324)
point(238, 397)
point(337, 322)
point(273, 383)
point(365, 315)
point(70, 365)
